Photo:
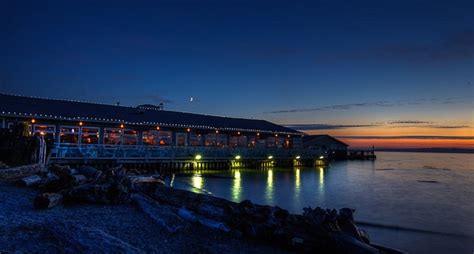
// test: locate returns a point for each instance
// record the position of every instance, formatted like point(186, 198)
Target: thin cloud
point(155, 98)
point(449, 100)
point(408, 122)
point(335, 107)
point(450, 47)
point(306, 127)
point(389, 124)
point(449, 126)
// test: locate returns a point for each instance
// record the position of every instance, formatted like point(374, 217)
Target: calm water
point(413, 191)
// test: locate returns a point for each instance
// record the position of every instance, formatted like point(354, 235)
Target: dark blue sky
point(325, 62)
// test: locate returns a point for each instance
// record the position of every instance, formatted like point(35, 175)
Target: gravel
point(86, 228)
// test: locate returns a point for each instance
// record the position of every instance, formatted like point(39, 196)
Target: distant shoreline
point(427, 150)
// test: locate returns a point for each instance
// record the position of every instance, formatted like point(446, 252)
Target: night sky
point(389, 73)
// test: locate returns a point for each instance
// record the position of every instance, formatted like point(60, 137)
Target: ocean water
point(417, 202)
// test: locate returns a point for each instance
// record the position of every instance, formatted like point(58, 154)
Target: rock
point(87, 171)
point(79, 179)
point(162, 215)
point(146, 184)
point(345, 220)
point(79, 238)
point(30, 180)
point(3, 165)
point(190, 216)
point(297, 242)
point(364, 235)
point(47, 200)
point(22, 171)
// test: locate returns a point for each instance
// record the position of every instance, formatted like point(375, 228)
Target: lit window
point(129, 137)
point(155, 138)
point(90, 135)
point(165, 138)
point(150, 138)
point(68, 135)
point(238, 141)
point(48, 131)
point(219, 140)
point(112, 136)
point(195, 139)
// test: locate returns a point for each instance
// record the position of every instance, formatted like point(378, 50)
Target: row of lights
point(238, 157)
point(158, 128)
point(95, 118)
point(137, 123)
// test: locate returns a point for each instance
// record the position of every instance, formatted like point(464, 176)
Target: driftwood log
point(30, 180)
point(83, 239)
point(162, 215)
point(22, 171)
point(317, 230)
point(47, 200)
point(145, 183)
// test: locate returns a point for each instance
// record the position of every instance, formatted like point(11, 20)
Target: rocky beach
point(61, 209)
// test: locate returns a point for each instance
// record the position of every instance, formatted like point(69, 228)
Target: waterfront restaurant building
point(83, 130)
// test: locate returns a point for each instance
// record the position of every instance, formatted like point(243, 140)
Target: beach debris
point(88, 184)
point(193, 217)
point(316, 230)
point(82, 239)
point(145, 183)
point(3, 165)
point(345, 220)
point(47, 200)
point(30, 180)
point(21, 171)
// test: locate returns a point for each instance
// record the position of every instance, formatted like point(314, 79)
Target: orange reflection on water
point(409, 143)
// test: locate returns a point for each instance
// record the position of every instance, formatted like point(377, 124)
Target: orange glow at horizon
point(408, 143)
point(380, 137)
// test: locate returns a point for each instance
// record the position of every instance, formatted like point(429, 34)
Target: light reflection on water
point(197, 181)
point(387, 191)
point(269, 187)
point(236, 187)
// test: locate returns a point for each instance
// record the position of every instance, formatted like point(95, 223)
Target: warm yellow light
point(258, 133)
point(80, 123)
point(289, 136)
point(188, 130)
point(321, 157)
point(238, 133)
point(276, 135)
point(33, 121)
point(198, 157)
point(122, 126)
point(298, 157)
point(270, 157)
point(157, 128)
point(237, 157)
point(217, 131)
point(42, 133)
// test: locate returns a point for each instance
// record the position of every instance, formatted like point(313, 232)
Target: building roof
point(33, 107)
point(315, 139)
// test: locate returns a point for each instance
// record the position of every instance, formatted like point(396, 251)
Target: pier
point(184, 158)
point(361, 154)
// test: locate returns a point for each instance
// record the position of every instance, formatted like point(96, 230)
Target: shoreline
point(179, 212)
point(123, 228)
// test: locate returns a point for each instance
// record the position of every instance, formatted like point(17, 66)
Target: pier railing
point(98, 152)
